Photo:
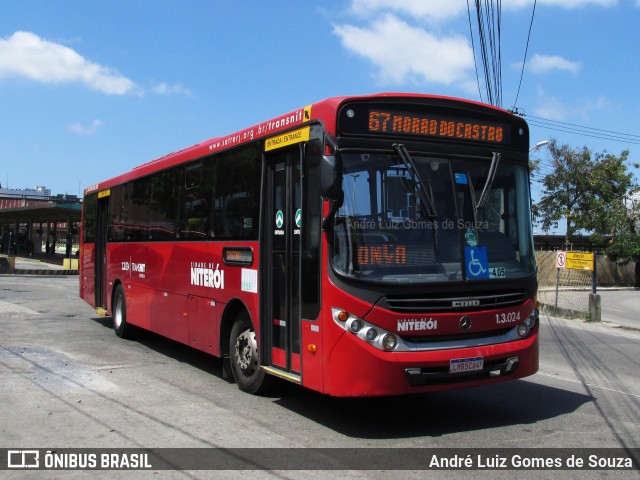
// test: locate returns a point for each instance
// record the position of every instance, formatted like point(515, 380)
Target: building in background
point(35, 221)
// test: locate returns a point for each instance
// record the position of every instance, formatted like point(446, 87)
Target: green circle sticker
point(299, 218)
point(279, 219)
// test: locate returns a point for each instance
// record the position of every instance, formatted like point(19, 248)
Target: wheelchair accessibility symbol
point(477, 264)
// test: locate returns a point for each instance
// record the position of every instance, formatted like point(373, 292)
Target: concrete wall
point(7, 264)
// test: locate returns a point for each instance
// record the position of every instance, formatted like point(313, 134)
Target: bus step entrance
point(291, 377)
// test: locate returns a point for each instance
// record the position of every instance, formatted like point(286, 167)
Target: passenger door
point(100, 259)
point(282, 240)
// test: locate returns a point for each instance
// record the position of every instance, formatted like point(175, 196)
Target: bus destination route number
point(381, 121)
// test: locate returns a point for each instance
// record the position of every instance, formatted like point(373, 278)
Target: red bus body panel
point(160, 293)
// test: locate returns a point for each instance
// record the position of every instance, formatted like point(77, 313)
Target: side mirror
point(329, 177)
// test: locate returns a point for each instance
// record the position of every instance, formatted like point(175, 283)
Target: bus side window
point(90, 218)
point(193, 176)
point(195, 212)
point(136, 206)
point(237, 194)
point(117, 214)
point(163, 207)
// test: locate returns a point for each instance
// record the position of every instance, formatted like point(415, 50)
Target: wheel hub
point(117, 314)
point(246, 350)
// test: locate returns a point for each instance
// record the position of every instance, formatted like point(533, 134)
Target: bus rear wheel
point(243, 351)
point(120, 325)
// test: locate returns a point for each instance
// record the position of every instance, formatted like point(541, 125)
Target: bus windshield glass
point(418, 218)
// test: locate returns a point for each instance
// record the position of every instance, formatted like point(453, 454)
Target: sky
point(91, 88)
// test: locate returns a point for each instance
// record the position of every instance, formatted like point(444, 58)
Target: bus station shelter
point(46, 228)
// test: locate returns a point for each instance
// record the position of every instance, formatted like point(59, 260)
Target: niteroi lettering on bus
point(206, 275)
point(382, 255)
point(411, 124)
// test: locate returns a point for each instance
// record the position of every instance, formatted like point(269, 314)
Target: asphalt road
point(621, 307)
point(66, 381)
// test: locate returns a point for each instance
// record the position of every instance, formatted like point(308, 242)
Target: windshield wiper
point(495, 160)
point(487, 185)
point(426, 197)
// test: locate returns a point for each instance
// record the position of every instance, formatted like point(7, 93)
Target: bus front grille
point(443, 303)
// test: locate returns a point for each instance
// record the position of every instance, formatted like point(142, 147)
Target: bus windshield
point(420, 218)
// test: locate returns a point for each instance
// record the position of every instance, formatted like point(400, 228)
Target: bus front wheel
point(243, 350)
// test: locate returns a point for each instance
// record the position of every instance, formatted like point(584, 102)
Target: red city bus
point(359, 246)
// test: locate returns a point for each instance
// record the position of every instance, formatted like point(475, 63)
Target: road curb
point(610, 324)
point(38, 271)
point(569, 314)
point(565, 312)
point(18, 271)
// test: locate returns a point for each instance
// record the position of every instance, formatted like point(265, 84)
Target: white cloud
point(25, 54)
point(431, 9)
point(566, 4)
point(165, 89)
point(546, 63)
point(591, 106)
point(403, 49)
point(549, 107)
point(80, 129)
point(445, 9)
point(403, 53)
point(552, 108)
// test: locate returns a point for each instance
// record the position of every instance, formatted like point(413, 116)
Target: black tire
point(243, 352)
point(119, 309)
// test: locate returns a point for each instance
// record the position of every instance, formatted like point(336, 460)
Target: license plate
point(458, 365)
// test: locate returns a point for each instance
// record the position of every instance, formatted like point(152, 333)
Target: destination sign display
point(409, 123)
point(436, 121)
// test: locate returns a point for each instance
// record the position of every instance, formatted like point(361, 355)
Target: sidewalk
point(618, 305)
point(39, 264)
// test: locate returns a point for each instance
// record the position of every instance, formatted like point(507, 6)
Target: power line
point(596, 130)
point(586, 132)
point(526, 50)
point(473, 48)
point(489, 31)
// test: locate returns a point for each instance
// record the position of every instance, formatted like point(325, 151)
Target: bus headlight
point(530, 321)
point(536, 313)
point(373, 335)
point(389, 341)
point(527, 325)
point(356, 325)
point(523, 330)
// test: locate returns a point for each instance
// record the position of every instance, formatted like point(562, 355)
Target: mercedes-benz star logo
point(465, 323)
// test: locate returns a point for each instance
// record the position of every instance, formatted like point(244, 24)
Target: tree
point(608, 185)
point(565, 197)
point(591, 192)
point(624, 243)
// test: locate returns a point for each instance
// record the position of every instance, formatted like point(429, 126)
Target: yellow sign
point(70, 263)
point(104, 193)
point(580, 261)
point(289, 138)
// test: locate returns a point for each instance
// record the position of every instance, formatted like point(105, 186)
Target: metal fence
point(571, 295)
point(563, 290)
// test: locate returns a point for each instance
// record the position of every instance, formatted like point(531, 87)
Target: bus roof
point(324, 110)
